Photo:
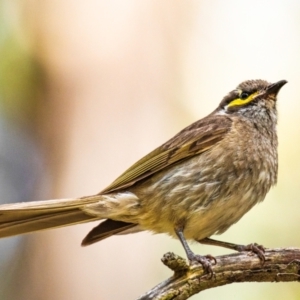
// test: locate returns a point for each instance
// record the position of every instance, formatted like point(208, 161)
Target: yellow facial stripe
point(239, 101)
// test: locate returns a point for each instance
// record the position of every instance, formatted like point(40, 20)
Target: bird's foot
point(206, 261)
point(259, 250)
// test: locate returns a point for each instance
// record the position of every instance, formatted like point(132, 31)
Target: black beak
point(274, 88)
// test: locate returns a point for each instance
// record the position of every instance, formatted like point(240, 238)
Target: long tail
point(26, 217)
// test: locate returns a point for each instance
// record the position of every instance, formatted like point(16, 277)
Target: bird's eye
point(244, 95)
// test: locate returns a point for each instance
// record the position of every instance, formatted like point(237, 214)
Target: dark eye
point(244, 95)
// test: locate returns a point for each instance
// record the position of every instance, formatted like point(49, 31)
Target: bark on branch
point(281, 265)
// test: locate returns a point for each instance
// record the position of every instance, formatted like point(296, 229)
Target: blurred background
point(89, 87)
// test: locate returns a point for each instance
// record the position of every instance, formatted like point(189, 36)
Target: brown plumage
point(197, 184)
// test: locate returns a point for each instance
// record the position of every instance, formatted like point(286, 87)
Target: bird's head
point(252, 98)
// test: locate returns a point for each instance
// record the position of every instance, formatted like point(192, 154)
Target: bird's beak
point(274, 88)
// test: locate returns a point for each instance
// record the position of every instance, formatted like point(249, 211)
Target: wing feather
point(193, 140)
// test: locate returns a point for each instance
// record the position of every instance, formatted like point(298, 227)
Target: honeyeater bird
point(197, 184)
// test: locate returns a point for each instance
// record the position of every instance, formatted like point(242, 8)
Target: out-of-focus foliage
point(20, 76)
point(20, 154)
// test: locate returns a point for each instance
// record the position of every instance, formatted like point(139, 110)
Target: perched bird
point(197, 184)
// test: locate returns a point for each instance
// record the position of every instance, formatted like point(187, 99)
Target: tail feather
point(105, 230)
point(26, 217)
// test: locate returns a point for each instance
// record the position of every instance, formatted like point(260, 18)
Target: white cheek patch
point(222, 112)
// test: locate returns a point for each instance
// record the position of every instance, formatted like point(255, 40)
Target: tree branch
point(281, 265)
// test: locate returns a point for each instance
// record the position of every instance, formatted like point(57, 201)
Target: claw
point(205, 261)
point(211, 258)
point(259, 250)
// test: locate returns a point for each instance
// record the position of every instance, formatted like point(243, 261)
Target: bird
point(195, 185)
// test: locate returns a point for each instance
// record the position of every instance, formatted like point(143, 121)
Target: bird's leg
point(205, 261)
point(259, 250)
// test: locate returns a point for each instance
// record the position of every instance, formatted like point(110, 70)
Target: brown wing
point(194, 139)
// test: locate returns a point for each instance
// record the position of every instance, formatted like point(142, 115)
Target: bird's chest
point(211, 191)
point(242, 174)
